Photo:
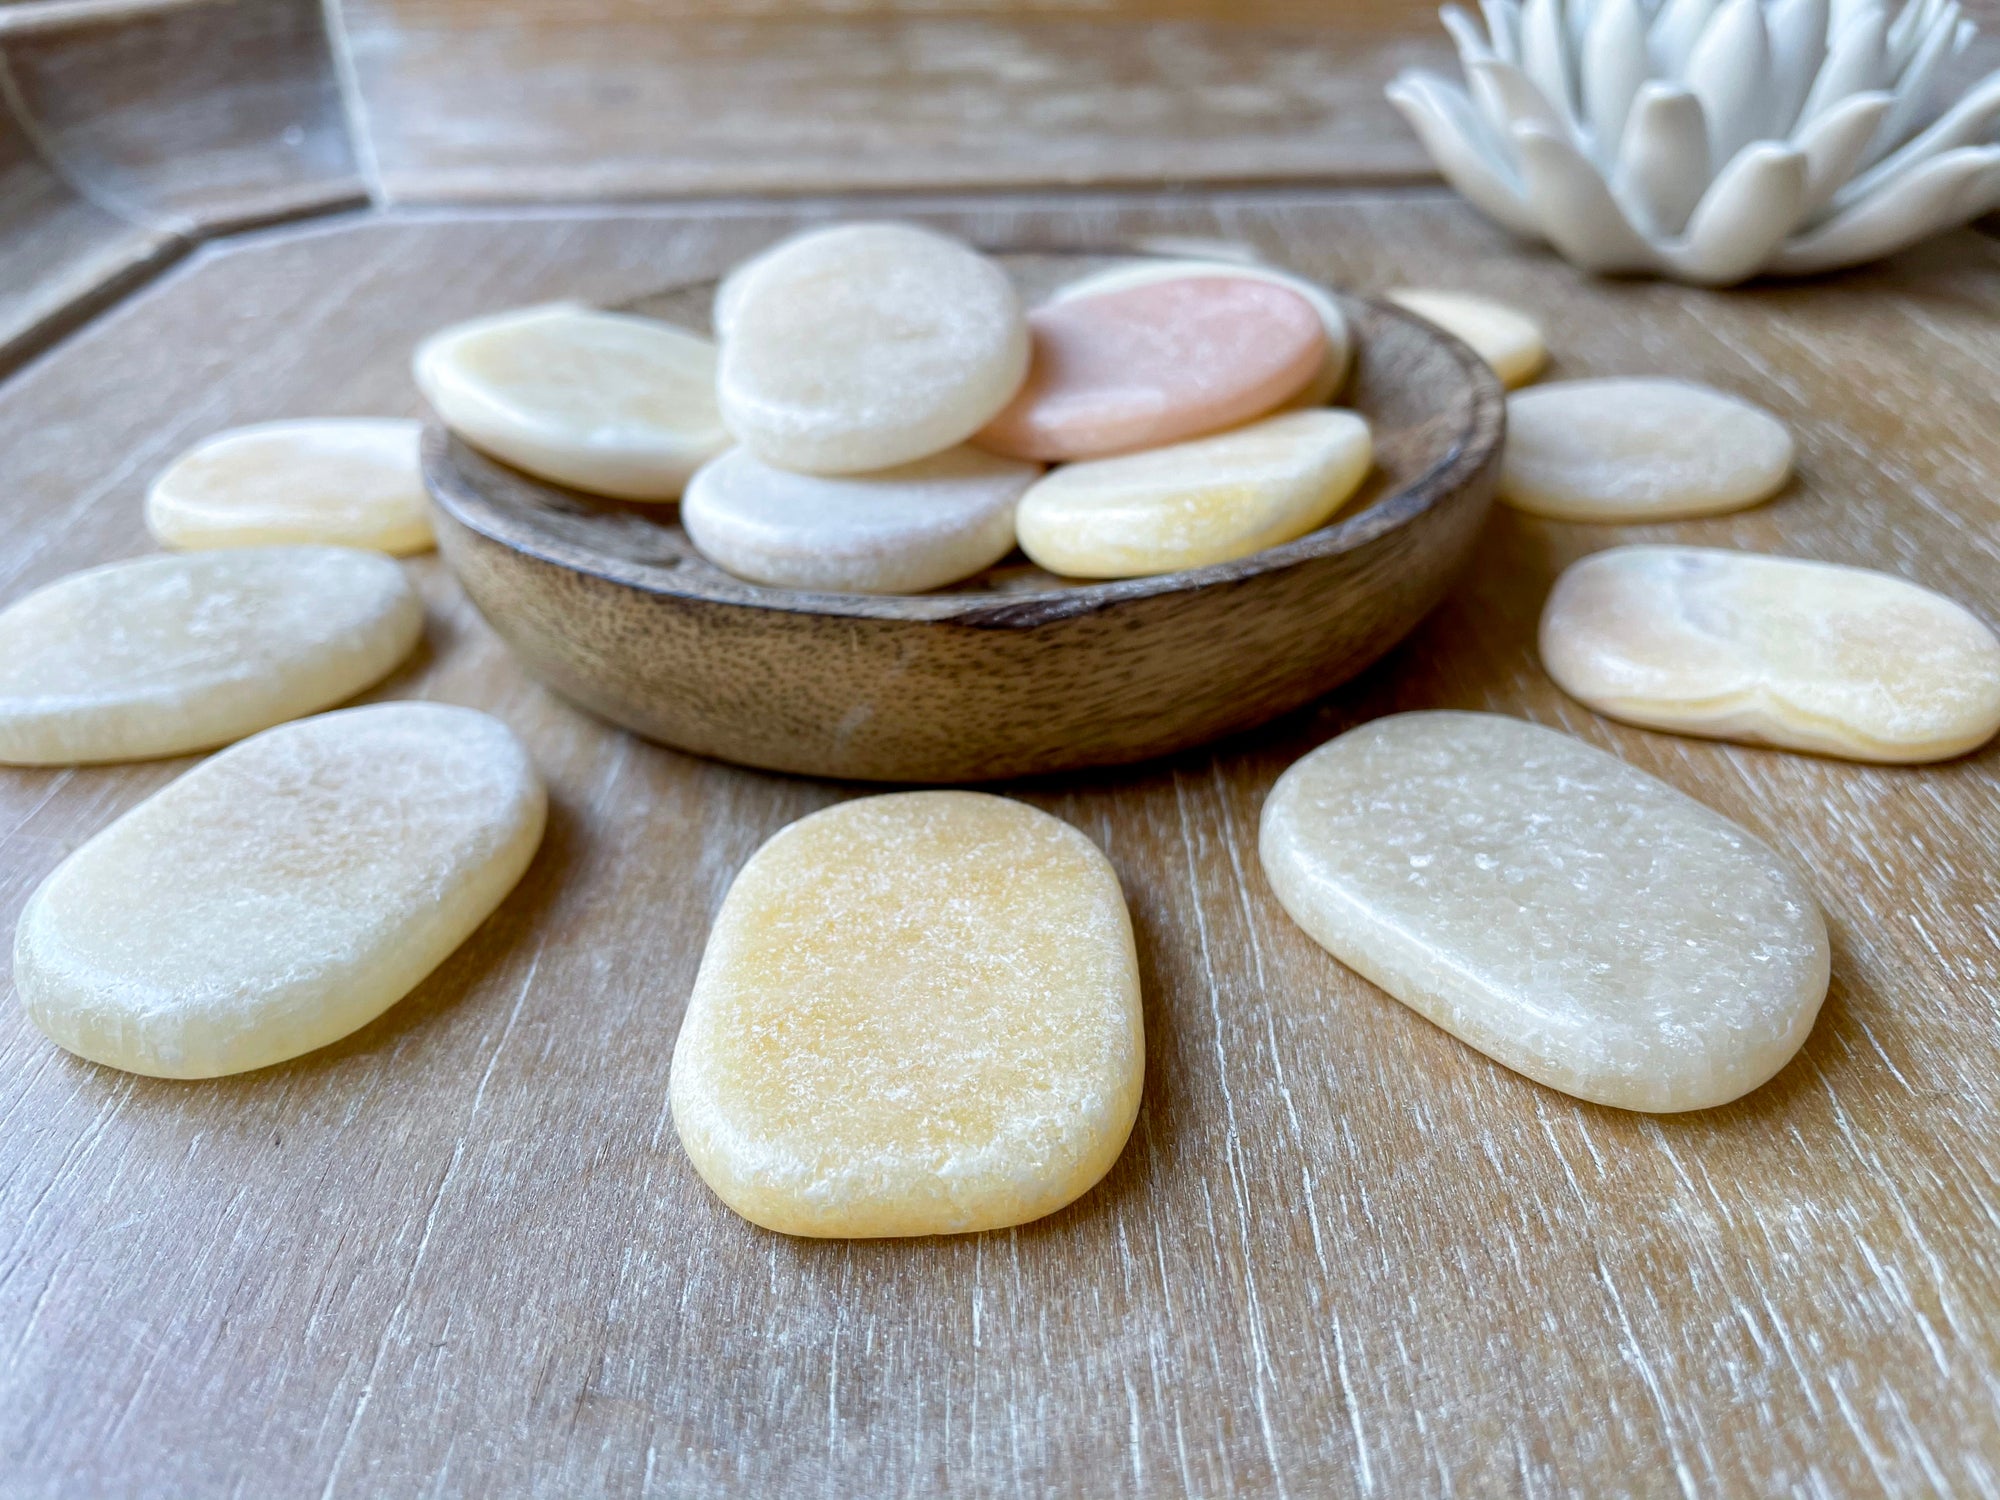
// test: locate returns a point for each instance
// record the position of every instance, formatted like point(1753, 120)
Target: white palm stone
point(1563, 912)
point(1509, 341)
point(916, 1014)
point(896, 531)
point(868, 346)
point(603, 402)
point(164, 655)
point(1775, 651)
point(341, 481)
point(282, 893)
point(1713, 140)
point(1338, 355)
point(1639, 450)
point(1191, 504)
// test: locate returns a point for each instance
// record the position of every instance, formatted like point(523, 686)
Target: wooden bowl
point(1015, 671)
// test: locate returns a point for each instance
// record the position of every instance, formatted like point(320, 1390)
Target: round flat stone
point(1775, 651)
point(1639, 450)
point(895, 531)
point(164, 655)
point(601, 402)
point(1158, 363)
point(868, 346)
point(1508, 340)
point(282, 893)
point(342, 481)
point(1561, 911)
point(1334, 362)
point(1207, 501)
point(917, 1014)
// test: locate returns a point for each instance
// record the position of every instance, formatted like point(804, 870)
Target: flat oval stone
point(1197, 503)
point(164, 655)
point(282, 893)
point(1508, 340)
point(896, 531)
point(341, 481)
point(602, 402)
point(1639, 450)
point(1158, 363)
point(868, 346)
point(1564, 912)
point(1334, 362)
point(917, 1014)
point(1775, 651)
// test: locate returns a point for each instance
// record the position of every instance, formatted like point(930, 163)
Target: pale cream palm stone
point(164, 655)
point(1190, 504)
point(1713, 140)
point(1639, 449)
point(1773, 650)
point(341, 481)
point(1339, 351)
point(282, 893)
point(916, 1014)
point(603, 402)
point(1508, 340)
point(867, 346)
point(1565, 913)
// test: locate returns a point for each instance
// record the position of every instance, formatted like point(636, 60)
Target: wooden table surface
point(461, 1252)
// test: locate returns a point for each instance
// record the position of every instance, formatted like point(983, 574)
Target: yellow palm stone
point(1509, 341)
point(917, 1014)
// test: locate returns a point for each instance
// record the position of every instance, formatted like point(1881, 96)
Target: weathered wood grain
point(461, 1254)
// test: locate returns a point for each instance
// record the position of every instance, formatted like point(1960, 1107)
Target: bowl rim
point(1473, 448)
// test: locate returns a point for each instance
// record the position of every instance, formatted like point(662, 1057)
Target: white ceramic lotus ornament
point(1712, 141)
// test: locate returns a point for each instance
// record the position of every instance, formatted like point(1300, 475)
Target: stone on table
point(339, 481)
point(1508, 340)
point(1338, 354)
point(1207, 501)
point(918, 526)
point(602, 402)
point(1562, 911)
point(1775, 651)
point(282, 893)
point(916, 1014)
point(868, 346)
point(1158, 363)
point(1639, 449)
point(168, 654)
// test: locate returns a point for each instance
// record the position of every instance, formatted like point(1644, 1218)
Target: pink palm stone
point(1157, 363)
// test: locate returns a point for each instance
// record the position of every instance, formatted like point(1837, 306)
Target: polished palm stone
point(163, 655)
point(1508, 340)
point(1639, 450)
point(1567, 914)
point(1207, 501)
point(896, 531)
point(282, 893)
point(341, 481)
point(916, 1014)
point(1775, 651)
point(602, 402)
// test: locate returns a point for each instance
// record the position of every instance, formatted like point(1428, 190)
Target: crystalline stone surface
point(901, 530)
point(343, 481)
point(282, 893)
point(1319, 390)
point(1158, 363)
point(602, 402)
point(1508, 340)
point(1560, 910)
point(1639, 450)
point(163, 655)
point(1196, 503)
point(868, 346)
point(1773, 650)
point(917, 1014)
